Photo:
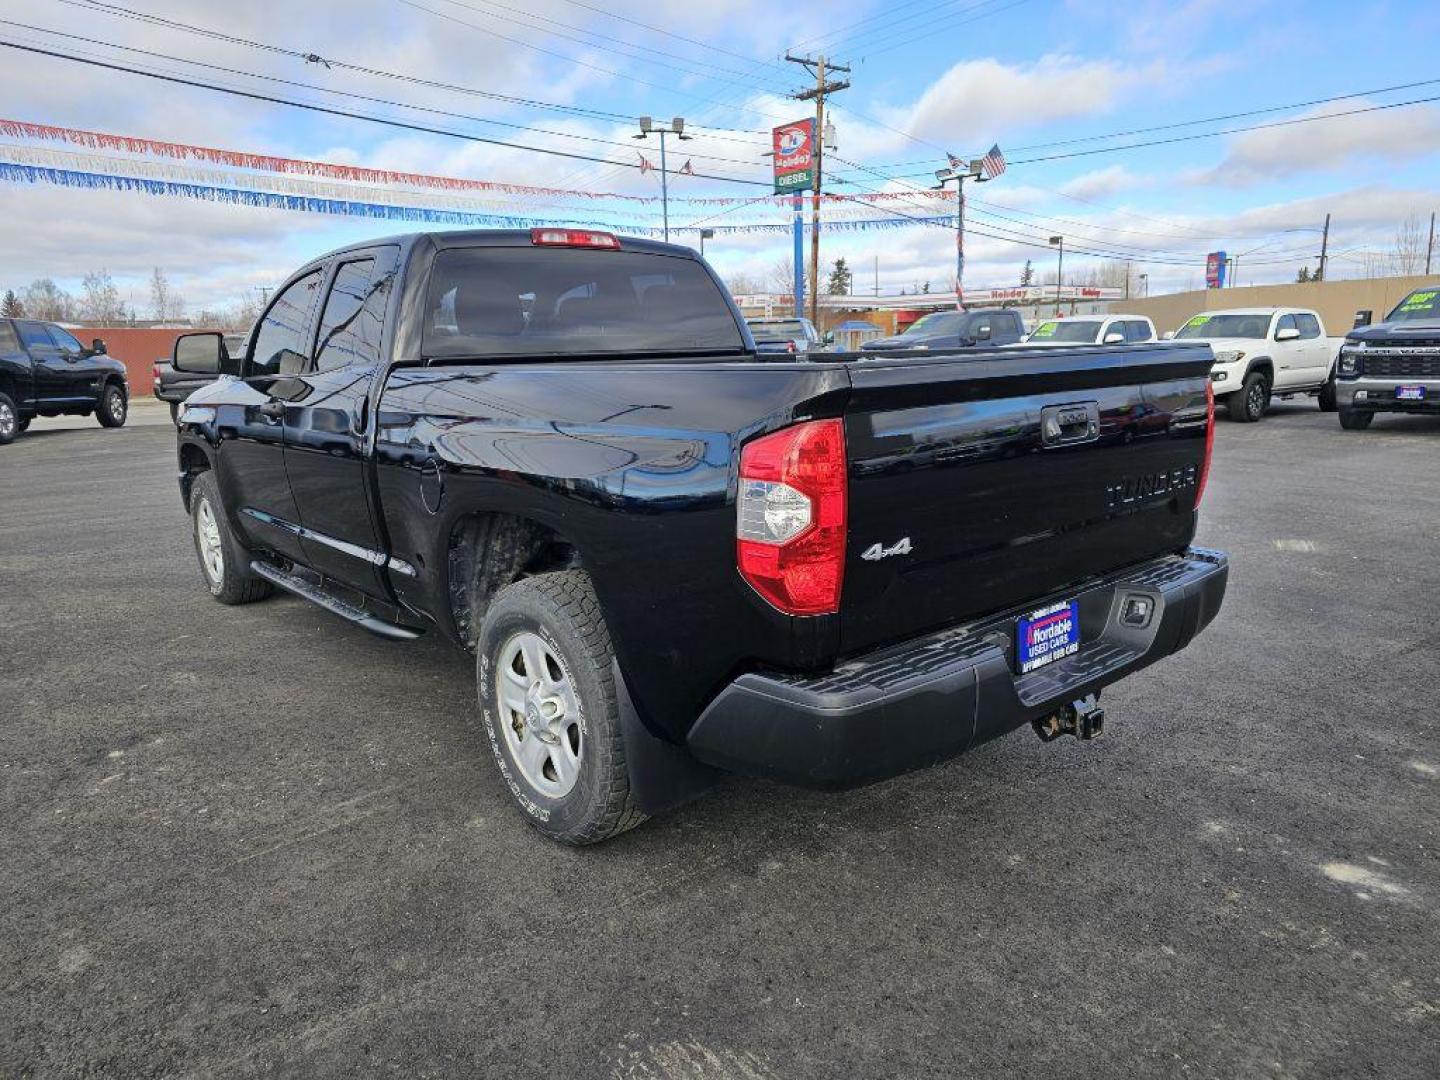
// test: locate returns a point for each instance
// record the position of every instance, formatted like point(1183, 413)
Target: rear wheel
point(547, 697)
point(1355, 419)
point(9, 420)
point(1248, 404)
point(224, 562)
point(113, 407)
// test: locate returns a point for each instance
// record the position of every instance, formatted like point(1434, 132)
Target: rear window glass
point(535, 301)
point(1083, 332)
point(777, 331)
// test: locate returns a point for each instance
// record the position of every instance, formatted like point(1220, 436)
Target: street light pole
point(974, 171)
point(705, 234)
point(1059, 270)
point(676, 128)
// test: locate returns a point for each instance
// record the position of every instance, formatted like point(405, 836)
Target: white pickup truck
point(1264, 352)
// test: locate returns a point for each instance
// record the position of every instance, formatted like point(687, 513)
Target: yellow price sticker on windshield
point(1045, 330)
point(1419, 300)
point(1198, 320)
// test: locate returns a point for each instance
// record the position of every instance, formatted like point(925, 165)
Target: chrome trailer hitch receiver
point(1084, 719)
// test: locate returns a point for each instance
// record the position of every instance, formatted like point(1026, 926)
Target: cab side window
point(9, 340)
point(34, 335)
point(1308, 324)
point(1286, 322)
point(64, 341)
point(354, 315)
point(1137, 331)
point(282, 342)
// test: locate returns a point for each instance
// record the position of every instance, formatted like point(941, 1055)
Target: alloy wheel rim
point(207, 536)
point(1257, 399)
point(117, 405)
point(540, 714)
point(7, 420)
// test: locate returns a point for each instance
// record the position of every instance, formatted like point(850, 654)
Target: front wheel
point(1355, 419)
point(175, 413)
point(547, 698)
point(1327, 396)
point(1248, 404)
point(9, 420)
point(113, 407)
point(224, 562)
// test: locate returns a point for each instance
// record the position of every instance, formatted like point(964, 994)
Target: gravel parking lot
point(257, 841)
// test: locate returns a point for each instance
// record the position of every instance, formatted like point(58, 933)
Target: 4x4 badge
point(876, 552)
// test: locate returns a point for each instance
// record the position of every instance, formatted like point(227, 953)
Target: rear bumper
point(1378, 395)
point(918, 703)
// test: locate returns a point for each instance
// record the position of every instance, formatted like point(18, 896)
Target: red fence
point(136, 348)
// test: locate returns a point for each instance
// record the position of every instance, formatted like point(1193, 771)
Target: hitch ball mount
point(1084, 719)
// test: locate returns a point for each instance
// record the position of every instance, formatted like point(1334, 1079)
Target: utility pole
point(1430, 247)
point(676, 128)
point(822, 90)
point(1059, 270)
point(1324, 247)
point(877, 268)
point(959, 171)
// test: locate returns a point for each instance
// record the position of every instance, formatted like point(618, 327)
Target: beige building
point(1336, 301)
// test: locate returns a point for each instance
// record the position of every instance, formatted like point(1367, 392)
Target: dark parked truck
point(1393, 366)
point(671, 556)
point(45, 371)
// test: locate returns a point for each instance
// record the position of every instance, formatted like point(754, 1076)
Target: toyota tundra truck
point(670, 556)
point(1393, 366)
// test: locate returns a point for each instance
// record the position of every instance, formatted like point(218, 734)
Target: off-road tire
point(1326, 397)
point(562, 610)
point(1248, 404)
point(9, 420)
point(23, 424)
point(113, 407)
point(1355, 419)
point(175, 413)
point(235, 583)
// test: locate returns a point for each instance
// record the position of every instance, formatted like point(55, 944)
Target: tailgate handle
point(1065, 425)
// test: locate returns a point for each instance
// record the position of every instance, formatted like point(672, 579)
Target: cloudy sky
point(1066, 87)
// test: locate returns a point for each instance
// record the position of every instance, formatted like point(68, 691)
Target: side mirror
point(1114, 337)
point(1363, 317)
point(830, 337)
point(97, 348)
point(1288, 334)
point(1169, 335)
point(198, 354)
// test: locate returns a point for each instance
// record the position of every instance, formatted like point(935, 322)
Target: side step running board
point(306, 590)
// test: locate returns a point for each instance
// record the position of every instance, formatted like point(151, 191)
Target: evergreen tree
point(1304, 275)
point(11, 307)
point(1027, 275)
point(840, 279)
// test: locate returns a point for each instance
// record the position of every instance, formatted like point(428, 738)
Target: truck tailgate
point(983, 482)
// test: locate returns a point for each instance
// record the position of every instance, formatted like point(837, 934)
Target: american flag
point(993, 163)
point(955, 162)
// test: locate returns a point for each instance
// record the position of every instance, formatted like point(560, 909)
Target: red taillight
point(582, 238)
point(155, 371)
point(790, 347)
point(1209, 441)
point(790, 517)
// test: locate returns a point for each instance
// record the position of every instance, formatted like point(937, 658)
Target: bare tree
point(45, 300)
point(744, 284)
point(1408, 256)
point(101, 304)
point(782, 276)
point(166, 305)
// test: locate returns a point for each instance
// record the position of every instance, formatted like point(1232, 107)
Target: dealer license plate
point(1047, 635)
point(1410, 393)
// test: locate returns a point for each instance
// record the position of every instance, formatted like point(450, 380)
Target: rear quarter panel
point(635, 464)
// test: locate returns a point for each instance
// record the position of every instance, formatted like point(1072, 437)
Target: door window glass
point(354, 316)
point(282, 342)
point(34, 336)
point(1137, 331)
point(9, 342)
point(1287, 322)
point(64, 340)
point(1308, 324)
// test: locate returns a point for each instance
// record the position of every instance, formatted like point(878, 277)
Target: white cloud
point(1272, 153)
point(1103, 183)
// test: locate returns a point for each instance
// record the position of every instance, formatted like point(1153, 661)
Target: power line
point(331, 111)
point(350, 93)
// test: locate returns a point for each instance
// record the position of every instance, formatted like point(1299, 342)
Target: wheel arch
point(193, 462)
point(488, 550)
point(1261, 363)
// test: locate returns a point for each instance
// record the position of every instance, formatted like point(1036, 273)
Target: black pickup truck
point(45, 371)
point(671, 556)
